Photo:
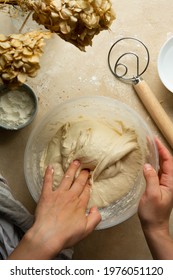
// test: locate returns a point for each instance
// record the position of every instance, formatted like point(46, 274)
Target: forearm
point(33, 247)
point(160, 244)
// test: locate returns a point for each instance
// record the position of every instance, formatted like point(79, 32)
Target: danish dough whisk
point(122, 71)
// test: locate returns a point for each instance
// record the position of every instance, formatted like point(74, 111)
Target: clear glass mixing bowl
point(99, 108)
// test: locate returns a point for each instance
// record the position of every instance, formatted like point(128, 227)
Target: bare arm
point(60, 218)
point(156, 205)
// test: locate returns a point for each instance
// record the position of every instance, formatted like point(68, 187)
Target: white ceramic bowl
point(165, 64)
point(99, 108)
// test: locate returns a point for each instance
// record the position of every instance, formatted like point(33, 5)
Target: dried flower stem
point(25, 21)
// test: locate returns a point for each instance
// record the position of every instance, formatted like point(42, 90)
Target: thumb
point(94, 219)
point(152, 180)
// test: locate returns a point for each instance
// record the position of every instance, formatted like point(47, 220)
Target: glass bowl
point(98, 108)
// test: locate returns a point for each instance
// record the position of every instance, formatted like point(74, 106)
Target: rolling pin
point(155, 110)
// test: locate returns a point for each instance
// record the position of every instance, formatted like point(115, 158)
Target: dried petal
point(18, 64)
point(26, 51)
point(16, 43)
point(21, 77)
point(4, 45)
point(2, 38)
point(64, 27)
point(8, 57)
point(33, 59)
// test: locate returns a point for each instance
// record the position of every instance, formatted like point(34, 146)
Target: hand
point(63, 212)
point(157, 201)
point(60, 217)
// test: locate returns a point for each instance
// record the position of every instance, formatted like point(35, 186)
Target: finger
point(166, 165)
point(48, 180)
point(93, 220)
point(69, 175)
point(165, 157)
point(152, 180)
point(162, 149)
point(85, 196)
point(80, 182)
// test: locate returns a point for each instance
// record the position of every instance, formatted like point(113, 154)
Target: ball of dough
point(111, 153)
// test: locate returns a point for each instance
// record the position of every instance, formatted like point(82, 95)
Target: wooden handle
point(155, 110)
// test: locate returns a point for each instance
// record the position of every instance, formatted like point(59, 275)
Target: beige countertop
point(67, 72)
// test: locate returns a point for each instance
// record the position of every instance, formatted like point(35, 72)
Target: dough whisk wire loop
point(118, 64)
point(123, 69)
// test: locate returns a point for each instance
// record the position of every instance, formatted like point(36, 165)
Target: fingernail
point(76, 162)
point(94, 209)
point(147, 167)
point(51, 168)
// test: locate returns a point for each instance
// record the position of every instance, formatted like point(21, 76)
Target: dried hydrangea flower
point(20, 55)
point(76, 21)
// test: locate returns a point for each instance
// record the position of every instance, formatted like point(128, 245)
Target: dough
point(110, 152)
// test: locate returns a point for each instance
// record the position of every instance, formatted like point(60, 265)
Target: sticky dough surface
point(110, 152)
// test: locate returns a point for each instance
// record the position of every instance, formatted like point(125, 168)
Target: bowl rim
point(29, 91)
point(163, 51)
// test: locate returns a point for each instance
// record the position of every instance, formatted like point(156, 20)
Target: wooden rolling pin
point(155, 110)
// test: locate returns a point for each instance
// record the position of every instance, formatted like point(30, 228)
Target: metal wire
point(118, 62)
